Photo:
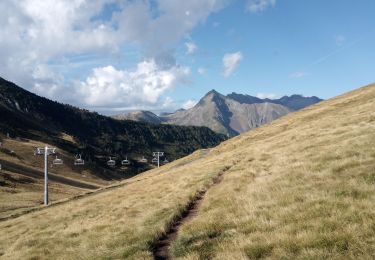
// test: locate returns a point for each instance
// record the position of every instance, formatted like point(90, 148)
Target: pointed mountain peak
point(212, 92)
point(211, 95)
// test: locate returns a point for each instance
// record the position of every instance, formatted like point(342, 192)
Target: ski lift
point(38, 151)
point(78, 160)
point(111, 162)
point(154, 160)
point(41, 151)
point(57, 161)
point(143, 160)
point(165, 160)
point(125, 162)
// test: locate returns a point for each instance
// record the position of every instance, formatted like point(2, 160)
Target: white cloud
point(34, 33)
point(168, 103)
point(144, 86)
point(230, 62)
point(266, 95)
point(191, 47)
point(202, 71)
point(39, 36)
point(189, 104)
point(298, 74)
point(255, 6)
point(139, 24)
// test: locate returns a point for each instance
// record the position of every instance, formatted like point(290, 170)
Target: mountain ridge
point(301, 187)
point(230, 114)
point(26, 115)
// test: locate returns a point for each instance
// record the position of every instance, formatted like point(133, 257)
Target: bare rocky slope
point(231, 115)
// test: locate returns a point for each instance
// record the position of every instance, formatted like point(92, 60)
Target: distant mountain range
point(26, 115)
point(230, 115)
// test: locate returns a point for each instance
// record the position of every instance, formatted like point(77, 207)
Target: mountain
point(293, 102)
point(230, 115)
point(301, 187)
point(96, 137)
point(139, 116)
point(225, 115)
point(296, 102)
point(210, 111)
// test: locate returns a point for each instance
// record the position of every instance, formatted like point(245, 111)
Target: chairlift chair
point(125, 162)
point(111, 162)
point(165, 161)
point(38, 151)
point(154, 160)
point(143, 160)
point(78, 160)
point(57, 161)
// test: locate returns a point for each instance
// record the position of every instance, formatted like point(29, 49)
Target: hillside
point(96, 137)
point(28, 121)
point(140, 116)
point(301, 187)
point(293, 102)
point(230, 115)
point(227, 116)
point(22, 176)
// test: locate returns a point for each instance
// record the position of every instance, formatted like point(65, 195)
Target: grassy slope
point(302, 186)
point(115, 224)
point(18, 193)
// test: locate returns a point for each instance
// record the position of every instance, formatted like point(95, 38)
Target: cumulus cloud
point(35, 33)
point(189, 104)
point(144, 86)
point(230, 62)
point(38, 35)
point(139, 24)
point(191, 47)
point(255, 6)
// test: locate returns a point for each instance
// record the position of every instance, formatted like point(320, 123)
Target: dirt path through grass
point(161, 248)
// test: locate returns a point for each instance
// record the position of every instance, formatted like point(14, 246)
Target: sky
point(160, 55)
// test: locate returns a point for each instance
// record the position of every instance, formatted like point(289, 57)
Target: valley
point(187, 130)
point(28, 121)
point(299, 187)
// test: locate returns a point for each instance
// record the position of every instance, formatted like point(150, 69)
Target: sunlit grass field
point(304, 188)
point(301, 187)
point(19, 193)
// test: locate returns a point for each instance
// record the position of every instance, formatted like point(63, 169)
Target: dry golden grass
point(304, 188)
point(19, 193)
point(300, 187)
point(116, 224)
point(24, 155)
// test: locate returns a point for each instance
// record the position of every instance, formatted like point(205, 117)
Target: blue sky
point(321, 48)
point(160, 55)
